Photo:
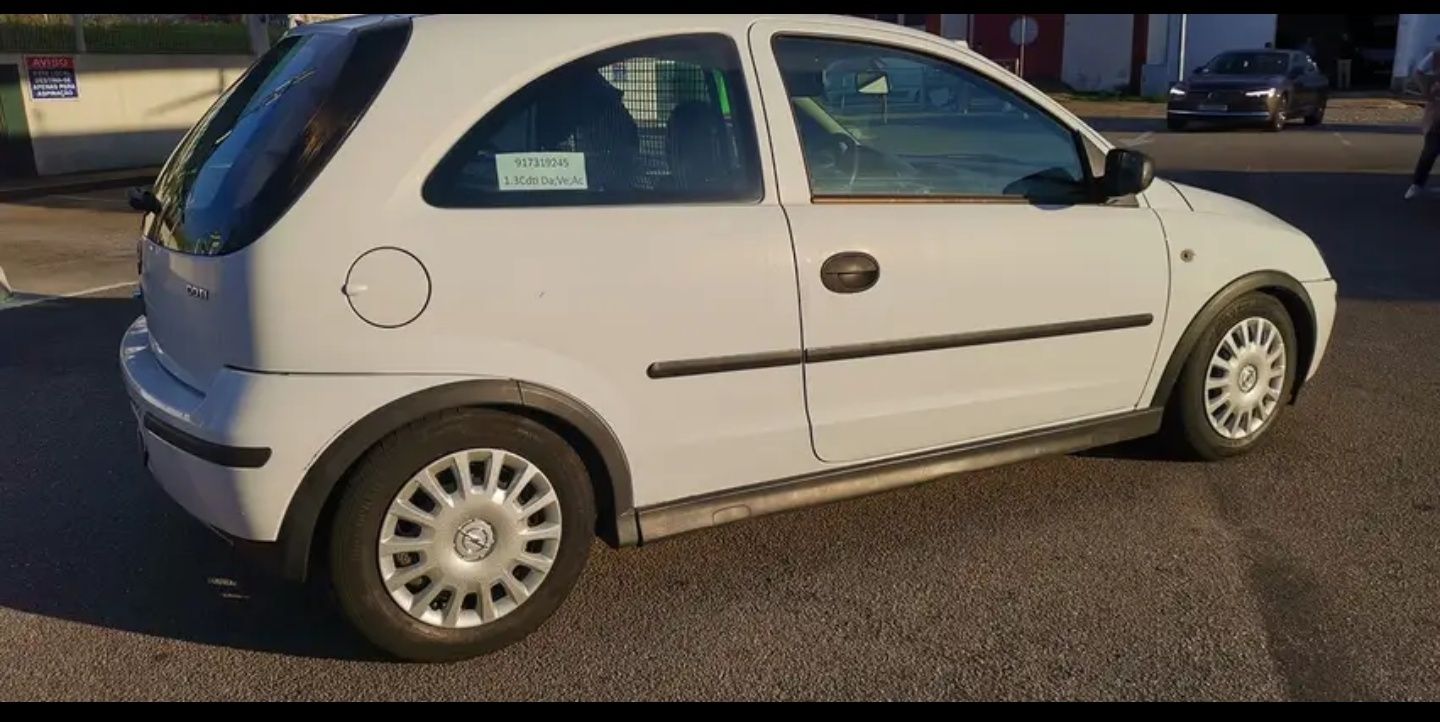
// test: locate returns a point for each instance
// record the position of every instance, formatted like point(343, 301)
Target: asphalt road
point(1308, 570)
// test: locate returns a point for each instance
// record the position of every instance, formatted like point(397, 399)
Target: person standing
point(1344, 60)
point(1425, 77)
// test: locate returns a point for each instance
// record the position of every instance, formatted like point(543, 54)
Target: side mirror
point(143, 200)
point(872, 82)
point(1200, 70)
point(1126, 172)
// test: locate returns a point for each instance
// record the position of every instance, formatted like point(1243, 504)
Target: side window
point(656, 121)
point(880, 121)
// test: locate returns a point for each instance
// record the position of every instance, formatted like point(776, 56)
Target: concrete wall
point(1416, 35)
point(131, 109)
point(1096, 56)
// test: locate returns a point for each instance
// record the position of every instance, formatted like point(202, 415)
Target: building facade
point(1144, 53)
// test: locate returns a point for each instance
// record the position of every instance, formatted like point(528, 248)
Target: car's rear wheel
point(1317, 116)
point(1235, 382)
point(1174, 124)
point(461, 534)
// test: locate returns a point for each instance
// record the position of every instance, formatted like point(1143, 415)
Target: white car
point(432, 301)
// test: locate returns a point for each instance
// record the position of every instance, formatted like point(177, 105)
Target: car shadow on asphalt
point(86, 535)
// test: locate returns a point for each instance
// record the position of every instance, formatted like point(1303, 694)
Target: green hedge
point(223, 38)
point(167, 38)
point(22, 37)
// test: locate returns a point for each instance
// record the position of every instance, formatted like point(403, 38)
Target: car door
point(957, 280)
point(1304, 78)
point(609, 230)
point(1317, 82)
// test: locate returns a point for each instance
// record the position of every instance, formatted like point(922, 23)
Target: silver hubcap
point(1245, 378)
point(469, 538)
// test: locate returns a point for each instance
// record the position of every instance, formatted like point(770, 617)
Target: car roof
point(580, 29)
point(739, 22)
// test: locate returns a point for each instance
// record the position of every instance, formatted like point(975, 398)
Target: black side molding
point(720, 364)
point(707, 510)
point(769, 359)
point(975, 338)
point(235, 457)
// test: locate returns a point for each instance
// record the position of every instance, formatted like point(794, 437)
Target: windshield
point(1256, 63)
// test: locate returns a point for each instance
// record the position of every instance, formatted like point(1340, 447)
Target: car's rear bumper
point(201, 453)
point(234, 454)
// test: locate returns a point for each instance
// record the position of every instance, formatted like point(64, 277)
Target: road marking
point(1342, 139)
point(11, 306)
point(1141, 139)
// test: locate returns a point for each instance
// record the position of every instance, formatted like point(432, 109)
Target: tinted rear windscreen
point(265, 139)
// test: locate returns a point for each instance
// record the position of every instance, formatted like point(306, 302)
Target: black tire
point(1317, 115)
point(1280, 117)
point(354, 556)
point(1174, 124)
point(1187, 429)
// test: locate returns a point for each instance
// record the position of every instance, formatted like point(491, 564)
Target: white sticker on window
point(541, 171)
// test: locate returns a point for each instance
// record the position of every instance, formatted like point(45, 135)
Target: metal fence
point(57, 33)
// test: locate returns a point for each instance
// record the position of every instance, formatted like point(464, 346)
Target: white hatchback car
point(432, 301)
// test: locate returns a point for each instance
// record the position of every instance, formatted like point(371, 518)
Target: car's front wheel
point(1280, 116)
point(1235, 382)
point(460, 534)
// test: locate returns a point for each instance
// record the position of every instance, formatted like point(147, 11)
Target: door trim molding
point(845, 352)
point(729, 505)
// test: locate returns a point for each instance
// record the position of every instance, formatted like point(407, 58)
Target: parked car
point(1271, 87)
point(430, 302)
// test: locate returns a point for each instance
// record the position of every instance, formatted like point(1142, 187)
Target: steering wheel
point(839, 154)
point(850, 148)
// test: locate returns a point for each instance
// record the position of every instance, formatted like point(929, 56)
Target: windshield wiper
point(266, 102)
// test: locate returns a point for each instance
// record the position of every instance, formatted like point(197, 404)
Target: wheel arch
point(312, 505)
point(1291, 294)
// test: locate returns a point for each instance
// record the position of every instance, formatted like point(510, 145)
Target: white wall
point(1096, 55)
point(1415, 37)
point(955, 26)
point(1157, 39)
point(1210, 34)
point(131, 109)
point(1206, 35)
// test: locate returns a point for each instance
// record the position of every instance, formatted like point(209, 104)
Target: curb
point(44, 187)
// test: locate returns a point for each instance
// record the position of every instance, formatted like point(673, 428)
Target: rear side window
point(656, 121)
point(267, 137)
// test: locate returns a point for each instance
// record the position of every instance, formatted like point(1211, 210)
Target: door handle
point(849, 272)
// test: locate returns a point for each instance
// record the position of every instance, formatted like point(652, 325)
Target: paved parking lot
point(1308, 570)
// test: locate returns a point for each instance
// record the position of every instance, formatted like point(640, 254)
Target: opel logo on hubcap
point(474, 540)
point(1248, 377)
